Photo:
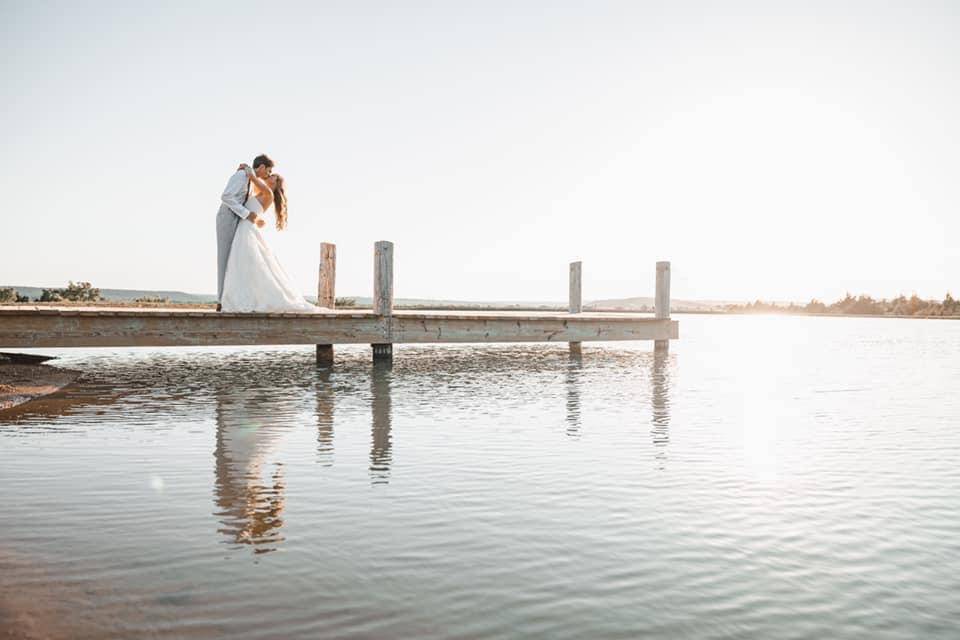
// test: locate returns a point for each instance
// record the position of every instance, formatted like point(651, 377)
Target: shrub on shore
point(9, 294)
point(74, 292)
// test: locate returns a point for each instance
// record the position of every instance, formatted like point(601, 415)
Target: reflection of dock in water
point(381, 442)
point(658, 381)
point(250, 489)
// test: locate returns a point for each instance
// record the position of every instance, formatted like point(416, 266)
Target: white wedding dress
point(254, 280)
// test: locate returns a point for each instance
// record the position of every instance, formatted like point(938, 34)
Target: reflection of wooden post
point(326, 290)
point(662, 301)
point(381, 442)
point(576, 298)
point(325, 407)
point(574, 370)
point(660, 403)
point(383, 292)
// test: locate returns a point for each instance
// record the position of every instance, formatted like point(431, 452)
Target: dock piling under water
point(326, 293)
point(661, 301)
point(576, 299)
point(383, 294)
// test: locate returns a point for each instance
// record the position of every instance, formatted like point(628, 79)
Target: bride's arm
point(255, 179)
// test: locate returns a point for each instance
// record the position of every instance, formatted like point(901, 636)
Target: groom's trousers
point(227, 222)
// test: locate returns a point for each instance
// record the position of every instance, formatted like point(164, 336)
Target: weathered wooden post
point(576, 298)
point(326, 290)
point(662, 301)
point(383, 293)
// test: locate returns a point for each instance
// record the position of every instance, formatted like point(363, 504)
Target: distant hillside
point(366, 301)
point(127, 295)
point(646, 304)
point(625, 304)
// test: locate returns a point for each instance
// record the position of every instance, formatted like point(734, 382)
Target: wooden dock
point(26, 326)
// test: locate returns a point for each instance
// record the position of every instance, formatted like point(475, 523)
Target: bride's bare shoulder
point(265, 198)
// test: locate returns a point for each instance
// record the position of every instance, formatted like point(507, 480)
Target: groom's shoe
point(218, 306)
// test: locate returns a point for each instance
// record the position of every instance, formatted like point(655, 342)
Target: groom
point(232, 210)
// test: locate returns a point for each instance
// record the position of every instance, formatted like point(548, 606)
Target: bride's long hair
point(280, 204)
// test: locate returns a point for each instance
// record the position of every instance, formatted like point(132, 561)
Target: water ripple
point(774, 478)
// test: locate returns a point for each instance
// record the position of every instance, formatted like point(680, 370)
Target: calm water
point(769, 478)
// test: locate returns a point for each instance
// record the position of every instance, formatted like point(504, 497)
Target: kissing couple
point(249, 276)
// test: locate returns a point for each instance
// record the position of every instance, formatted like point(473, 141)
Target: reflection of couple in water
point(249, 488)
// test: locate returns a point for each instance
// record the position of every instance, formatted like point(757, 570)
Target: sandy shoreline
point(37, 602)
point(23, 382)
point(28, 613)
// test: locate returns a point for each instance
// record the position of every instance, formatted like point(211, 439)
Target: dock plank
point(32, 327)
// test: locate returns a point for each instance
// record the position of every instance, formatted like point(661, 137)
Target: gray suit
point(231, 212)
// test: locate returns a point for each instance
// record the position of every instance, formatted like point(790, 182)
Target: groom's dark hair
point(262, 159)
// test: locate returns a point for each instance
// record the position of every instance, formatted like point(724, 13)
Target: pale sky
point(772, 150)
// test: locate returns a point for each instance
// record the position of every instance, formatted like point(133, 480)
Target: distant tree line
point(859, 305)
point(9, 294)
point(73, 292)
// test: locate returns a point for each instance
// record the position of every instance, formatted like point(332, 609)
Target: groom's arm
point(233, 196)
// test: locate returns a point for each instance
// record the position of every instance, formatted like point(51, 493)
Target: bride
point(254, 279)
